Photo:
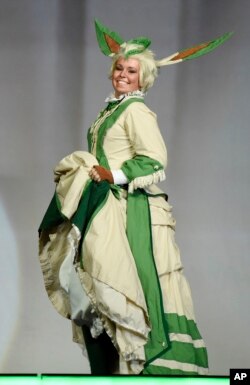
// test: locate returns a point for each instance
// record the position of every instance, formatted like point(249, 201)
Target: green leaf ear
point(202, 49)
point(109, 41)
point(194, 52)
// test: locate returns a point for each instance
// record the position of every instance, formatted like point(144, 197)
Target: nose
point(122, 73)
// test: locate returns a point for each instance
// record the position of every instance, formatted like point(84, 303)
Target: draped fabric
point(114, 233)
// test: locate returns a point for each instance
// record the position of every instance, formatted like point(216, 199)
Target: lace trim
point(112, 98)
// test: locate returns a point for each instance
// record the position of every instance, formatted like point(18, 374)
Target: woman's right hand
point(99, 173)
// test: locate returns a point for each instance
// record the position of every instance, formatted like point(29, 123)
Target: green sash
point(138, 232)
point(140, 241)
point(140, 237)
point(108, 123)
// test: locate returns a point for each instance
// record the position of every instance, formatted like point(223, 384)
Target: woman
point(126, 292)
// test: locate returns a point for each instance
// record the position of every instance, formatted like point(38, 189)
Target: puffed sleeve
point(150, 154)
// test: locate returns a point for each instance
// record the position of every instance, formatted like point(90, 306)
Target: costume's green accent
point(89, 139)
point(140, 165)
point(53, 216)
point(101, 31)
point(187, 353)
point(110, 42)
point(141, 247)
point(181, 325)
point(92, 200)
point(181, 352)
point(210, 46)
point(164, 371)
point(134, 52)
point(112, 104)
point(140, 241)
point(142, 42)
point(108, 123)
point(109, 107)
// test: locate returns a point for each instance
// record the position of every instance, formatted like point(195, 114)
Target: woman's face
point(125, 76)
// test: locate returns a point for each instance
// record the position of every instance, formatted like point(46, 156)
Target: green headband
point(111, 42)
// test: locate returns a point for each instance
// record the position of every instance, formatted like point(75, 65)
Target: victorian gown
point(108, 253)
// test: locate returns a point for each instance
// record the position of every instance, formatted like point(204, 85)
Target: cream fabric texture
point(109, 277)
point(135, 132)
point(118, 301)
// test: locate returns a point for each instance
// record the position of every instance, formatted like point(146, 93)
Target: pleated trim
point(145, 181)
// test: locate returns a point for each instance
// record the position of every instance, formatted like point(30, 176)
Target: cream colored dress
point(113, 287)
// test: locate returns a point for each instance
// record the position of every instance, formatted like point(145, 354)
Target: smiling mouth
point(121, 82)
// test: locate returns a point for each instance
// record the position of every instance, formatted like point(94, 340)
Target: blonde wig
point(148, 69)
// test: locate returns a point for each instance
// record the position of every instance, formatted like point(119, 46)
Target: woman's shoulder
point(139, 107)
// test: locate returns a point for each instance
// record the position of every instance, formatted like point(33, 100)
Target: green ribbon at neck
point(112, 104)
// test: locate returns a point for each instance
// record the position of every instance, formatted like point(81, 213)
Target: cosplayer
point(107, 248)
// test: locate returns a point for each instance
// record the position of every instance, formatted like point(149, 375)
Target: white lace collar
point(112, 98)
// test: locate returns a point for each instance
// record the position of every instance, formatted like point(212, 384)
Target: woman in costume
point(107, 247)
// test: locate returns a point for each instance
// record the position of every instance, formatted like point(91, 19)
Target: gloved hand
point(99, 173)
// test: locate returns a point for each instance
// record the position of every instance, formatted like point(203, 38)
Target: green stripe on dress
point(186, 353)
point(182, 358)
point(161, 370)
point(181, 325)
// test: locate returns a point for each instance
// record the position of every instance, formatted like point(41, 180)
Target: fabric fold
point(118, 302)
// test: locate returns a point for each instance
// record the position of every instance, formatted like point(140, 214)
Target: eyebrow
point(130, 68)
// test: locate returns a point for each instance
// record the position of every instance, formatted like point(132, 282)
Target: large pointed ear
point(109, 41)
point(196, 51)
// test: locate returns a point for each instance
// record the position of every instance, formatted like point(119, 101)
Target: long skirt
point(108, 278)
point(186, 354)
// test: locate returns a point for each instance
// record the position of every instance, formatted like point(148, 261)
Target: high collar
point(111, 98)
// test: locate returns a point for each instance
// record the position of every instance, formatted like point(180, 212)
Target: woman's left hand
point(99, 173)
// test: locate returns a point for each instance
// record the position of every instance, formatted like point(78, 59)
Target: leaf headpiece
point(111, 42)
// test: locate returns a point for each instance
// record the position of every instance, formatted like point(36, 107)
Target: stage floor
point(48, 379)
